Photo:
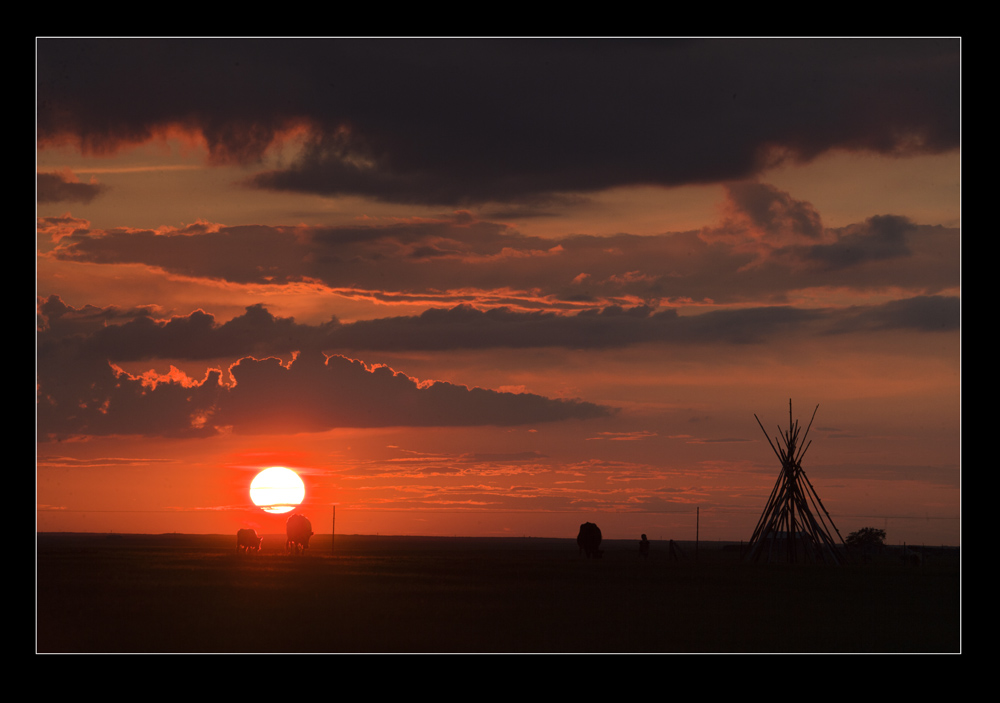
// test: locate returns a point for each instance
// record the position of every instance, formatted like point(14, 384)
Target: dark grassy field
point(192, 593)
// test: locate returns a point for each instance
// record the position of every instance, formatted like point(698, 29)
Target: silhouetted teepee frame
point(788, 529)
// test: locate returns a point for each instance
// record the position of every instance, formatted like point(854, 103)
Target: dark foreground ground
point(192, 593)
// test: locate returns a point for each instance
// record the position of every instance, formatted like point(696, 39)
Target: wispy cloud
point(64, 186)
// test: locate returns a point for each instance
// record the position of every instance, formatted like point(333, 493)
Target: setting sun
point(277, 490)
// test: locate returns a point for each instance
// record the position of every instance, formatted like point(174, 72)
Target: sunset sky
point(497, 287)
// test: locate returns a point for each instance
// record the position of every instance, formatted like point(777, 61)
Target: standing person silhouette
point(644, 547)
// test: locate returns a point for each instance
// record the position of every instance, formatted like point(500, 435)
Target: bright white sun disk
point(277, 490)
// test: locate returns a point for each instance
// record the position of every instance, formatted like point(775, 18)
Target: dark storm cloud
point(259, 333)
point(246, 254)
point(60, 320)
point(314, 393)
point(773, 212)
point(880, 237)
point(194, 336)
point(61, 187)
point(767, 226)
point(55, 228)
point(464, 327)
point(81, 390)
point(79, 395)
point(468, 121)
point(932, 313)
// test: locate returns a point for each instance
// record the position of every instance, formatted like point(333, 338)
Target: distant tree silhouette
point(867, 540)
point(870, 537)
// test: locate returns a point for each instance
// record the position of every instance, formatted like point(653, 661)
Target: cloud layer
point(137, 335)
point(469, 121)
point(82, 390)
point(81, 394)
point(766, 246)
point(65, 187)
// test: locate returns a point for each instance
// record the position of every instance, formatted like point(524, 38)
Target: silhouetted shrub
point(870, 537)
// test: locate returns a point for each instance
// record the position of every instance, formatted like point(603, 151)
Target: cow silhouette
point(912, 558)
point(589, 540)
point(298, 530)
point(248, 541)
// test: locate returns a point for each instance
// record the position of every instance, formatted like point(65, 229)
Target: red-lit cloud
point(84, 394)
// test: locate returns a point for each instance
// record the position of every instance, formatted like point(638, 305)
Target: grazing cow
point(248, 541)
point(589, 540)
point(912, 558)
point(299, 530)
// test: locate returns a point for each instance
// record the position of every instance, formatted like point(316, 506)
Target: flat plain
point(180, 593)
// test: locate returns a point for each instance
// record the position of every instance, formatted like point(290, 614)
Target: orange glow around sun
point(277, 490)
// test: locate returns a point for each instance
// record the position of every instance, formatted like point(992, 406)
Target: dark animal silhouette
point(298, 529)
point(912, 558)
point(589, 540)
point(248, 541)
point(644, 547)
